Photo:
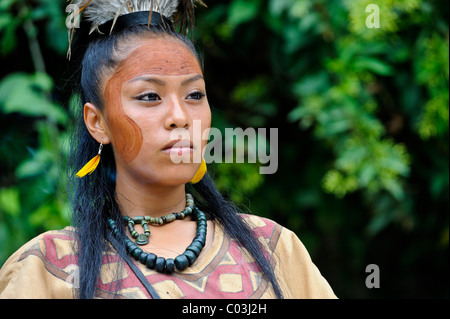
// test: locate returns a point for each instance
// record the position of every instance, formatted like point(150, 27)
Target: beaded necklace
point(160, 264)
point(143, 239)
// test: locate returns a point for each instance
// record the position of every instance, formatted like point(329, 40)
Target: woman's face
point(157, 89)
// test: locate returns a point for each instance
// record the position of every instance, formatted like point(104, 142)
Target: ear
point(96, 124)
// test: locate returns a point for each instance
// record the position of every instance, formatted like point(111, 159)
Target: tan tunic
point(46, 267)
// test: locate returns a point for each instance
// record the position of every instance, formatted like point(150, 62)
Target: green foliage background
point(362, 115)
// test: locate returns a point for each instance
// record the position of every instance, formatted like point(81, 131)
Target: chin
point(174, 176)
point(173, 181)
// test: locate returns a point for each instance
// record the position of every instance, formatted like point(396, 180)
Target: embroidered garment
point(46, 267)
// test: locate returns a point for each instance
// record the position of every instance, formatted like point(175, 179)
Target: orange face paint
point(164, 57)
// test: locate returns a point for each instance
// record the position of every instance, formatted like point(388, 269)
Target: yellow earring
point(90, 167)
point(200, 173)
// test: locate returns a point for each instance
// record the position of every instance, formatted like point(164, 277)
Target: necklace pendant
point(142, 239)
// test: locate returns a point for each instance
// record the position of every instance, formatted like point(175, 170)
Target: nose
point(177, 116)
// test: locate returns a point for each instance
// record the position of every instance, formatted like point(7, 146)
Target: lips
point(178, 144)
point(179, 147)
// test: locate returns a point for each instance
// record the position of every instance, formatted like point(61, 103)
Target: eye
point(149, 97)
point(196, 95)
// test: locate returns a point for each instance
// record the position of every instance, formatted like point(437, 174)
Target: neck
point(149, 200)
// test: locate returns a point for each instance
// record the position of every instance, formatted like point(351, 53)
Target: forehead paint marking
point(158, 57)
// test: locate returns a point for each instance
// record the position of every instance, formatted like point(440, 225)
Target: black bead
point(181, 262)
point(201, 240)
point(160, 264)
point(170, 265)
point(201, 219)
point(128, 244)
point(197, 244)
point(201, 233)
point(138, 219)
point(150, 261)
point(190, 256)
point(143, 258)
point(194, 249)
point(137, 253)
point(132, 248)
point(115, 230)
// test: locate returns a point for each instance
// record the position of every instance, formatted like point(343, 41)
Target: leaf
point(29, 95)
point(34, 166)
point(312, 84)
point(9, 201)
point(242, 11)
point(373, 65)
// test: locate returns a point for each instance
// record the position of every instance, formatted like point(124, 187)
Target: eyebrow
point(193, 79)
point(163, 83)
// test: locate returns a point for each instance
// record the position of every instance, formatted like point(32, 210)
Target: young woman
point(145, 225)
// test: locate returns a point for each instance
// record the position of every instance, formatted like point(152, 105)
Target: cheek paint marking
point(127, 135)
point(163, 57)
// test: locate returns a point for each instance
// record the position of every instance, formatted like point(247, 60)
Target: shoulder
point(267, 231)
point(51, 245)
point(260, 224)
point(294, 268)
point(48, 243)
point(43, 262)
point(278, 236)
point(266, 228)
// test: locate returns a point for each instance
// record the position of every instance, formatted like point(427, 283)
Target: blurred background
point(362, 115)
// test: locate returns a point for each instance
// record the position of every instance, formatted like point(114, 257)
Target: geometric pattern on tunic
point(231, 273)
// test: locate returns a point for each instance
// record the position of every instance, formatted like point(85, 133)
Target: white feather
point(100, 11)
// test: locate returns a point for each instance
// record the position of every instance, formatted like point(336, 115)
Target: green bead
point(150, 261)
point(137, 253)
point(132, 247)
point(160, 264)
point(181, 262)
point(111, 222)
point(170, 218)
point(194, 249)
point(143, 258)
point(201, 240)
point(170, 265)
point(197, 244)
point(146, 229)
point(201, 233)
point(138, 219)
point(202, 226)
point(190, 256)
point(114, 228)
point(128, 244)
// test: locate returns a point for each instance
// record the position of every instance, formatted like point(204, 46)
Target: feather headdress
point(99, 12)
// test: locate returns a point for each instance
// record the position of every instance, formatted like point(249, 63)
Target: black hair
point(93, 197)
